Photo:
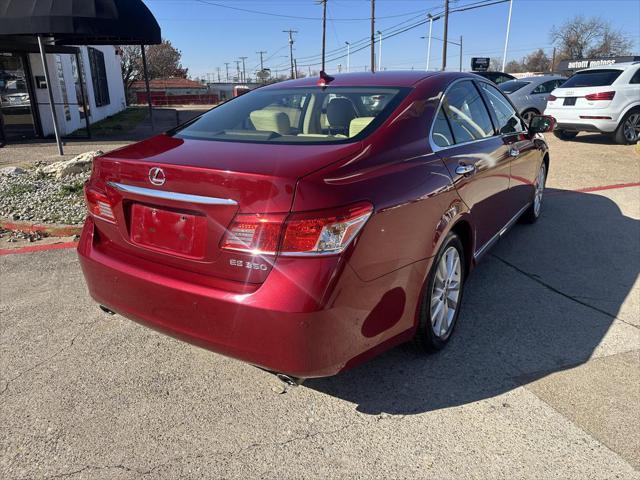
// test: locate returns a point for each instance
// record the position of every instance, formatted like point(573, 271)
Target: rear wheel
point(529, 114)
point(565, 134)
point(532, 214)
point(442, 295)
point(629, 129)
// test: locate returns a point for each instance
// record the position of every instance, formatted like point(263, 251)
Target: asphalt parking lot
point(541, 381)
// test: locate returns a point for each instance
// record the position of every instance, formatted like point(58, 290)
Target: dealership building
point(86, 83)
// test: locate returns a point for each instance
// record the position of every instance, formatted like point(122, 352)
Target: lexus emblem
point(156, 176)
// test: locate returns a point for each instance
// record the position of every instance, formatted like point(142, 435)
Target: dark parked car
point(306, 226)
point(496, 77)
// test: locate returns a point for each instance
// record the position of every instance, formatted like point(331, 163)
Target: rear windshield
point(592, 78)
point(297, 115)
point(512, 86)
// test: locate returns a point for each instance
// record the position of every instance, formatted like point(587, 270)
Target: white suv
point(601, 99)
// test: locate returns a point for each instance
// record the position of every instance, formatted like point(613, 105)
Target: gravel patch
point(34, 196)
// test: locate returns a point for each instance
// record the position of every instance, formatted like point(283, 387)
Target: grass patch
point(20, 189)
point(116, 124)
point(72, 189)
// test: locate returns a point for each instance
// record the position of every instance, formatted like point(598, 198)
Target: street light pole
point(446, 31)
point(348, 56)
point(324, 29)
point(506, 40)
point(460, 52)
point(380, 51)
point(430, 17)
point(291, 32)
point(373, 35)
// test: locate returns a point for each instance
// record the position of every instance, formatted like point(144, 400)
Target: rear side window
point(593, 78)
point(636, 77)
point(508, 120)
point(466, 112)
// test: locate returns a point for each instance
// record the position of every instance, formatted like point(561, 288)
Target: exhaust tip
point(106, 310)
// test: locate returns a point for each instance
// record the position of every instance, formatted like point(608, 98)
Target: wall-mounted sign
point(569, 66)
point(41, 82)
point(480, 64)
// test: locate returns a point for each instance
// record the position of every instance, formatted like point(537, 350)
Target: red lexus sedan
point(310, 224)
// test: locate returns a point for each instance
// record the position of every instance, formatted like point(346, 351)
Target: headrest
point(271, 121)
point(340, 111)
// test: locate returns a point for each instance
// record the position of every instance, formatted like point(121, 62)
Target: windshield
point(512, 86)
point(297, 115)
point(592, 78)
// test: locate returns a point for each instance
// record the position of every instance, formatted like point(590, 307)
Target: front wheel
point(441, 298)
point(532, 214)
point(528, 115)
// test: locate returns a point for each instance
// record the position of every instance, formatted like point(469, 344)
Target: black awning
point(81, 22)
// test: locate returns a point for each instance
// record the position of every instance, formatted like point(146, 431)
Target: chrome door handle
point(514, 152)
point(465, 169)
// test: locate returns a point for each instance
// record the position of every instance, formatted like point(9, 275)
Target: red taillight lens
point(254, 233)
point(318, 232)
point(98, 204)
point(552, 98)
point(325, 232)
point(600, 96)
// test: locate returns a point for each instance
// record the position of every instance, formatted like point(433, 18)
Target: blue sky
point(210, 35)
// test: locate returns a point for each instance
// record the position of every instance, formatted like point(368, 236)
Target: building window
point(63, 88)
point(79, 71)
point(99, 77)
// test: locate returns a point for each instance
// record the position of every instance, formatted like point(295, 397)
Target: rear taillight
point(324, 232)
point(552, 98)
point(600, 96)
point(254, 233)
point(98, 204)
point(309, 233)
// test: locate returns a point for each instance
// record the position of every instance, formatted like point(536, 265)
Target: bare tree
point(583, 37)
point(495, 64)
point(513, 66)
point(536, 61)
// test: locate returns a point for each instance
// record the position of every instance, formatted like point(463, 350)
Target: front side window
point(508, 120)
point(466, 112)
point(297, 115)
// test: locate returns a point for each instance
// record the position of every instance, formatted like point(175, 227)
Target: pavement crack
point(573, 298)
point(42, 362)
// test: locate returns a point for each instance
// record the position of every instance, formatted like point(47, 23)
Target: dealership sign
point(572, 65)
point(480, 64)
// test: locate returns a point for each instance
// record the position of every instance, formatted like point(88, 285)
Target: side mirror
point(542, 124)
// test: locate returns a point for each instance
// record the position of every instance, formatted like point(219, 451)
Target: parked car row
point(602, 99)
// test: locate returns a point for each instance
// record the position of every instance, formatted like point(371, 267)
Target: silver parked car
point(530, 94)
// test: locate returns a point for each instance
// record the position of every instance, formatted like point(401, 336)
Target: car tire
point(532, 213)
point(565, 135)
point(444, 287)
point(628, 131)
point(528, 114)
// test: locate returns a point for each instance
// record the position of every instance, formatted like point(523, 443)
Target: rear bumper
point(570, 120)
point(310, 318)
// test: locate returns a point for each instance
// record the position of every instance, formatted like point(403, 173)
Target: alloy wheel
point(631, 128)
point(540, 181)
point(527, 116)
point(445, 294)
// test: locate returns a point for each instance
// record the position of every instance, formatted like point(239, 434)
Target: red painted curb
point(53, 229)
point(38, 248)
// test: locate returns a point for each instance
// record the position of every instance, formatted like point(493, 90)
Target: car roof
point(541, 78)
point(398, 78)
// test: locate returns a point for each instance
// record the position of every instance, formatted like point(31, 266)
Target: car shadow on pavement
point(594, 138)
point(541, 301)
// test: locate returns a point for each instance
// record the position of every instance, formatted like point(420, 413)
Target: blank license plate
point(172, 232)
point(569, 101)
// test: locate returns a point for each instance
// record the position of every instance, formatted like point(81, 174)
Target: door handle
point(465, 169)
point(514, 152)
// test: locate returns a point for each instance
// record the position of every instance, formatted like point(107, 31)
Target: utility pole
point(244, 71)
point(506, 40)
point(460, 52)
point(324, 29)
point(380, 51)
point(348, 56)
point(226, 66)
point(238, 71)
point(295, 69)
point(446, 31)
point(430, 18)
point(373, 35)
point(261, 53)
point(218, 70)
point(291, 32)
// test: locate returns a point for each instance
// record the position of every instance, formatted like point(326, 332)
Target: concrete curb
point(52, 229)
